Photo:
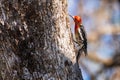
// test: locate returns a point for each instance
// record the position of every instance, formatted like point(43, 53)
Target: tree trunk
point(36, 41)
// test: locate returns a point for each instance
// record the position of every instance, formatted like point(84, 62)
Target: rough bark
point(35, 41)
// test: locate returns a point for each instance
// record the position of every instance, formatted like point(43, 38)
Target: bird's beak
point(71, 16)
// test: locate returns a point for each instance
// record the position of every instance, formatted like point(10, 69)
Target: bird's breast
point(76, 28)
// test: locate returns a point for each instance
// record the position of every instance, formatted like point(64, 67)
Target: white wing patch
point(79, 31)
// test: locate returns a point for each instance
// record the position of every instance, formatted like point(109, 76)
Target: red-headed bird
point(80, 35)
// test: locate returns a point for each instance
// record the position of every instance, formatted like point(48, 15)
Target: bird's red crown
point(77, 19)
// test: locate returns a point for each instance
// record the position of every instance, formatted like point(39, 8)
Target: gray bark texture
point(36, 41)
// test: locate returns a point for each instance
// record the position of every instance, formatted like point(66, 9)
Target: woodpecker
point(80, 36)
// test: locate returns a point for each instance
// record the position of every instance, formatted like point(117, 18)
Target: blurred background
point(101, 19)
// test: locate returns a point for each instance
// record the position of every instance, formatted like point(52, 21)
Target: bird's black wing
point(84, 36)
